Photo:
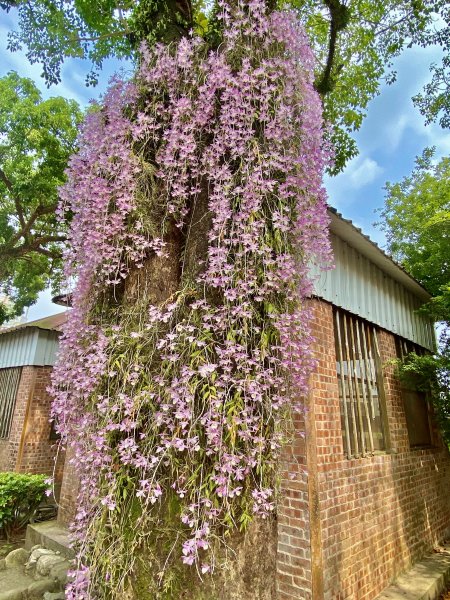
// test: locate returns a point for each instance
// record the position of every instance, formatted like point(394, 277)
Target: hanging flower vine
point(176, 411)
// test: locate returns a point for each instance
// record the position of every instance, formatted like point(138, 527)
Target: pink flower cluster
point(246, 122)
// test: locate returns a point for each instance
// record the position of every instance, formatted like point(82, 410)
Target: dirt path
point(14, 579)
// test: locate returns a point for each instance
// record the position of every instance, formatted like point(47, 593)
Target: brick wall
point(293, 543)
point(28, 448)
point(378, 514)
point(346, 528)
point(69, 492)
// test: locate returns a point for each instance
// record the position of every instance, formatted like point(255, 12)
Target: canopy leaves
point(416, 219)
point(36, 139)
point(354, 41)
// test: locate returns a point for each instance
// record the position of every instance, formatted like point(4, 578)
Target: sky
point(392, 135)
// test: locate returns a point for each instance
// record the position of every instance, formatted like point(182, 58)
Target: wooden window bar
point(361, 389)
point(9, 384)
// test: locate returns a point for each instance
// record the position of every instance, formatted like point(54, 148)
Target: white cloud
point(363, 171)
point(343, 190)
point(393, 131)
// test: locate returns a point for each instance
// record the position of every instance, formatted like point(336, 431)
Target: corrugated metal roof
point(381, 293)
point(31, 344)
point(53, 322)
point(347, 231)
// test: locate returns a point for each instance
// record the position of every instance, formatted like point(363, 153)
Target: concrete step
point(51, 535)
point(426, 580)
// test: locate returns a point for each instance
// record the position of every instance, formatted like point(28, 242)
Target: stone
point(59, 572)
point(37, 589)
point(2, 564)
point(46, 562)
point(36, 555)
point(38, 552)
point(17, 557)
point(55, 596)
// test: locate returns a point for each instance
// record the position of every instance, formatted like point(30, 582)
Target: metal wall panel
point(28, 346)
point(362, 288)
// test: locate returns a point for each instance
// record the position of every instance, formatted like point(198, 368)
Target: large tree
point(36, 139)
point(354, 43)
point(197, 206)
point(416, 219)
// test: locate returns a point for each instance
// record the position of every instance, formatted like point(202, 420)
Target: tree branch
point(340, 16)
point(9, 186)
point(48, 239)
point(392, 25)
point(39, 211)
point(104, 36)
point(35, 246)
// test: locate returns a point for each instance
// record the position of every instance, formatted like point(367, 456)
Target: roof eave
point(348, 232)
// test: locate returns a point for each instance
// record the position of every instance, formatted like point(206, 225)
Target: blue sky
point(391, 136)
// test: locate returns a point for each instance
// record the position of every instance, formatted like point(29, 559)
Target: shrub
point(20, 495)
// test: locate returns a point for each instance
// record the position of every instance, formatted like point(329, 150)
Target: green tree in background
point(416, 219)
point(354, 41)
point(36, 139)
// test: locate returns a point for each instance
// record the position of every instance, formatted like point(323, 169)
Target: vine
point(176, 411)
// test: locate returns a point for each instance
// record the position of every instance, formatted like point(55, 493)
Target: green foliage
point(36, 139)
point(355, 44)
point(373, 35)
point(54, 30)
point(20, 495)
point(416, 219)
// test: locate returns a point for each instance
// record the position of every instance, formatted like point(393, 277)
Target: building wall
point(69, 492)
point(378, 514)
point(29, 448)
point(294, 568)
point(346, 527)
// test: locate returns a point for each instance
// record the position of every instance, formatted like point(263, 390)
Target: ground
point(17, 542)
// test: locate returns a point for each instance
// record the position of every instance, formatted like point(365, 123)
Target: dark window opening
point(415, 402)
point(54, 435)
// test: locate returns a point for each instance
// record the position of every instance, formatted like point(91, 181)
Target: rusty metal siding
point(362, 288)
point(28, 347)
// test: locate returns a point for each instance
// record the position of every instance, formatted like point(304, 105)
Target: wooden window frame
point(403, 348)
point(359, 373)
point(9, 385)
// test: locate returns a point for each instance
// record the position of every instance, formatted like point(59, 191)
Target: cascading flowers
point(175, 412)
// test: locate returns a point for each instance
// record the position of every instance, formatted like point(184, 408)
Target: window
point(417, 409)
point(54, 435)
point(360, 382)
point(9, 383)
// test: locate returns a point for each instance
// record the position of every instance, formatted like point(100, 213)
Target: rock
point(2, 564)
point(35, 547)
point(36, 590)
point(11, 595)
point(36, 555)
point(38, 552)
point(56, 596)
point(46, 562)
point(16, 558)
point(59, 572)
